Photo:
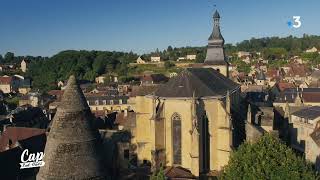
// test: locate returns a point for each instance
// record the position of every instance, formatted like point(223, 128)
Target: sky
point(45, 27)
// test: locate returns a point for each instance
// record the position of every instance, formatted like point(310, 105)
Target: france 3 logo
point(295, 22)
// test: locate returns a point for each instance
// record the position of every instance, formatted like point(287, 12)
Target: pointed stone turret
point(215, 51)
point(73, 149)
point(249, 114)
point(298, 100)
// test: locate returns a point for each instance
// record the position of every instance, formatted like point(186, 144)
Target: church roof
point(203, 81)
point(72, 149)
point(311, 113)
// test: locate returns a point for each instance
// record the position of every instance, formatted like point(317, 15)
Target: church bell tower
point(215, 51)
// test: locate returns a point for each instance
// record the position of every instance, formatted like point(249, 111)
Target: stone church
point(73, 148)
point(191, 121)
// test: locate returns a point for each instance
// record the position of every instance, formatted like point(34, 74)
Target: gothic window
point(204, 153)
point(176, 138)
point(126, 154)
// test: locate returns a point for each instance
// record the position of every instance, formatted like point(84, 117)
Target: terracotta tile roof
point(122, 119)
point(56, 92)
point(311, 97)
point(284, 85)
point(298, 69)
point(253, 88)
point(271, 73)
point(178, 172)
point(16, 134)
point(5, 80)
point(155, 78)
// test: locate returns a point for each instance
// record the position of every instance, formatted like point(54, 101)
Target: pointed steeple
point(216, 15)
point(73, 149)
point(287, 112)
point(215, 49)
point(216, 37)
point(298, 100)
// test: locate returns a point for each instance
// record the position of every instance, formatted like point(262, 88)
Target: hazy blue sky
point(45, 27)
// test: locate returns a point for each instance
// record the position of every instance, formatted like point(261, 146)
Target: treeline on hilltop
point(86, 65)
point(269, 47)
point(10, 58)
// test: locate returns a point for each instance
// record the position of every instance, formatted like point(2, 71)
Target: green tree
point(200, 57)
point(275, 53)
point(168, 64)
point(269, 158)
point(9, 57)
point(158, 175)
point(1, 58)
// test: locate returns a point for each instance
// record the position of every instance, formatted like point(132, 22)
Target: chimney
point(125, 112)
point(4, 128)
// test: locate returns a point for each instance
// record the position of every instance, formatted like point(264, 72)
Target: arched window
point(176, 138)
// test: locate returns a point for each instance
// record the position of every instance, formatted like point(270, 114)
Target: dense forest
point(86, 65)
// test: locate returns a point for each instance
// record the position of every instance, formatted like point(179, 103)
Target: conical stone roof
point(73, 150)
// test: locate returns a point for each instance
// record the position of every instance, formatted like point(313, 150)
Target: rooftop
point(311, 113)
point(202, 82)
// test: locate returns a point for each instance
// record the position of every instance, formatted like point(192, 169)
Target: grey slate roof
point(311, 113)
point(203, 81)
point(216, 14)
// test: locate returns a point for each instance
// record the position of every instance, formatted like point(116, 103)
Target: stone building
point(108, 103)
point(188, 122)
point(24, 65)
point(261, 78)
point(303, 123)
point(9, 84)
point(215, 57)
point(73, 148)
